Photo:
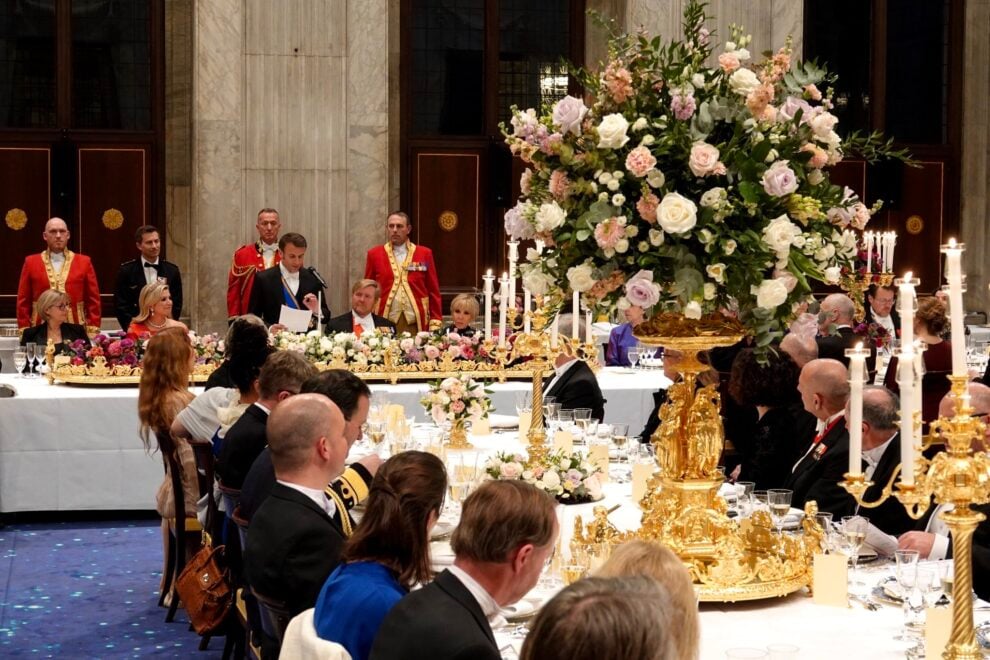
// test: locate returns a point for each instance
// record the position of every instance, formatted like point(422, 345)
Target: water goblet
point(20, 360)
point(633, 354)
point(620, 438)
point(779, 500)
point(376, 434)
point(761, 500)
point(824, 520)
point(906, 572)
point(745, 500)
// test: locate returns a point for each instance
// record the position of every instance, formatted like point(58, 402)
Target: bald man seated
point(835, 331)
point(824, 388)
point(293, 542)
point(932, 539)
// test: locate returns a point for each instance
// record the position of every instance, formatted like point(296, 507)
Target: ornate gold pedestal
point(458, 438)
point(682, 508)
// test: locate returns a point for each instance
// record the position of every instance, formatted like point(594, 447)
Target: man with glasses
point(60, 269)
point(251, 258)
point(880, 308)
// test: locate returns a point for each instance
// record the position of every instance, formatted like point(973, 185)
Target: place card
point(563, 440)
point(829, 581)
point(395, 417)
point(525, 422)
point(481, 427)
point(641, 473)
point(938, 629)
point(598, 456)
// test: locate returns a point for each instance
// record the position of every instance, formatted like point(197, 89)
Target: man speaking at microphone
point(290, 284)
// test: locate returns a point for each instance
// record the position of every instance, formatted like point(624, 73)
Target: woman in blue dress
point(388, 553)
point(621, 339)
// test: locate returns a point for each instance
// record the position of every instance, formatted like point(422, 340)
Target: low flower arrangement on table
point(568, 476)
point(457, 400)
point(116, 360)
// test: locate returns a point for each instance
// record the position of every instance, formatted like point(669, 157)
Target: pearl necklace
point(157, 326)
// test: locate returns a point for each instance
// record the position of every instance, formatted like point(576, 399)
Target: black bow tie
point(157, 267)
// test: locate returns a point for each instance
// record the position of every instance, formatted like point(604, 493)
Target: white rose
point(822, 124)
point(677, 214)
point(551, 479)
point(656, 237)
point(770, 294)
point(698, 80)
point(716, 272)
point(618, 199)
point(580, 278)
point(713, 197)
point(692, 310)
point(729, 247)
point(604, 177)
point(655, 178)
point(780, 234)
point(639, 124)
point(815, 177)
point(538, 282)
point(549, 217)
point(568, 113)
point(710, 290)
point(647, 140)
point(832, 274)
point(743, 81)
point(612, 132)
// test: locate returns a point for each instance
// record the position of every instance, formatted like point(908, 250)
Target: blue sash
point(287, 297)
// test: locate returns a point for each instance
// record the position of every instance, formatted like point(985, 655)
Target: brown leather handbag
point(204, 587)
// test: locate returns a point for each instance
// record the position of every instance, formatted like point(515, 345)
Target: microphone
point(316, 274)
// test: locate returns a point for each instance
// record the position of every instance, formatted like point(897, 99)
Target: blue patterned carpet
point(88, 590)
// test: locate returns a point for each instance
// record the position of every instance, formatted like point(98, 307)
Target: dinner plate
point(442, 530)
point(497, 421)
point(522, 609)
point(620, 370)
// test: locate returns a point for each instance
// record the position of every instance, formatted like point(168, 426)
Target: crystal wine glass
point(633, 354)
point(854, 532)
point(779, 500)
point(20, 360)
point(906, 572)
point(31, 349)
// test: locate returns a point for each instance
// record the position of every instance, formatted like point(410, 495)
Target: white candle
point(513, 260)
point(857, 361)
point(489, 290)
point(868, 239)
point(575, 315)
point(905, 305)
point(527, 300)
point(503, 304)
point(588, 335)
point(906, 382)
point(953, 267)
point(919, 372)
point(554, 330)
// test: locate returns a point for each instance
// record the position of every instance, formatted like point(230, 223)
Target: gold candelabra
point(536, 347)
point(959, 476)
point(857, 284)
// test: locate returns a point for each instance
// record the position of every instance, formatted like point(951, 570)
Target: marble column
point(975, 161)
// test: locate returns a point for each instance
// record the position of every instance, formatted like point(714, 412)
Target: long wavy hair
point(164, 390)
point(408, 488)
point(151, 295)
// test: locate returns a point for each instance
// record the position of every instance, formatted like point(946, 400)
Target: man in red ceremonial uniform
point(408, 278)
point(63, 270)
point(251, 258)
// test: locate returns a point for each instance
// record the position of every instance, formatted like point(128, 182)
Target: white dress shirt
point(873, 456)
point(318, 496)
point(488, 605)
point(937, 526)
point(268, 254)
point(291, 279)
point(150, 274)
point(560, 371)
point(58, 260)
point(821, 425)
point(367, 323)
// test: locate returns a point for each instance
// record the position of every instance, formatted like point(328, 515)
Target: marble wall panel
point(218, 46)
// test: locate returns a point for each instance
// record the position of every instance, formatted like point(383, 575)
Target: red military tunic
point(248, 259)
point(77, 279)
point(417, 276)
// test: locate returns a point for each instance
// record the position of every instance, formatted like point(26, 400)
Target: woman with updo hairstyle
point(930, 323)
point(388, 553)
point(155, 303)
point(770, 451)
point(245, 349)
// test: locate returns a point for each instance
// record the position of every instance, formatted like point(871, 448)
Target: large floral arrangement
point(368, 349)
point(438, 345)
point(689, 187)
point(456, 400)
point(568, 476)
point(209, 348)
point(117, 351)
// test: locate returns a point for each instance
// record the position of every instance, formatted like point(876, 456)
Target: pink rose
point(457, 406)
point(560, 185)
point(789, 108)
point(704, 159)
point(819, 157)
point(568, 114)
point(728, 61)
point(524, 181)
point(647, 207)
point(787, 277)
point(642, 291)
point(432, 352)
point(779, 179)
point(640, 161)
point(609, 232)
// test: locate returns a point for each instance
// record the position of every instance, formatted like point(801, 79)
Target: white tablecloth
point(76, 448)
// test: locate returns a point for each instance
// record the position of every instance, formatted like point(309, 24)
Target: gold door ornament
point(113, 219)
point(16, 219)
point(448, 221)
